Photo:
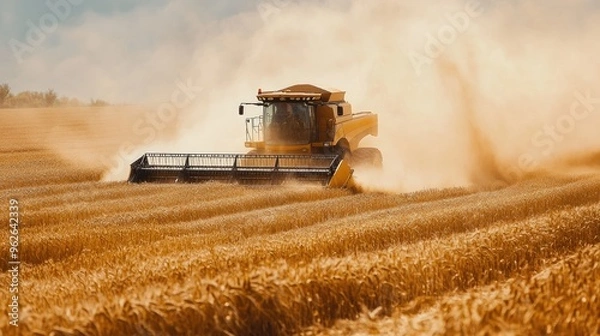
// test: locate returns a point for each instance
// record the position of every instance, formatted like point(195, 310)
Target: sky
point(486, 89)
point(134, 50)
point(108, 38)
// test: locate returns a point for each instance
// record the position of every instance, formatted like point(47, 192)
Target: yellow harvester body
point(335, 124)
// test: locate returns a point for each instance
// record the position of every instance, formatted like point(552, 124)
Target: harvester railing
point(254, 129)
point(246, 169)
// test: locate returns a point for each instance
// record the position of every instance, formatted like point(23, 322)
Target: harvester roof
point(302, 92)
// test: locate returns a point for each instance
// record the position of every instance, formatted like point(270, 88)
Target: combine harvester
point(305, 133)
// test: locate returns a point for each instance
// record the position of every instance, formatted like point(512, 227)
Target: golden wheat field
point(111, 258)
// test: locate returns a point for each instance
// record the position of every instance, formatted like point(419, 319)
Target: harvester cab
point(304, 133)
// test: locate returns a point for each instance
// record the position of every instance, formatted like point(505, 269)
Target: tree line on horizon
point(36, 99)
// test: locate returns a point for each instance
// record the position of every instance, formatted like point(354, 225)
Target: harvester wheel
point(367, 157)
point(343, 151)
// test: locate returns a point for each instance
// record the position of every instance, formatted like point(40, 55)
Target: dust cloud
point(467, 92)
